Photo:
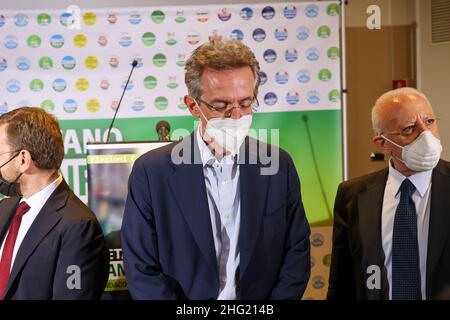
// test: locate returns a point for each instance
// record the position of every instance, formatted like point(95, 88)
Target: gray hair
point(389, 96)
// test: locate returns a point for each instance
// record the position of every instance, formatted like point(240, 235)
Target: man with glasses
point(213, 226)
point(391, 228)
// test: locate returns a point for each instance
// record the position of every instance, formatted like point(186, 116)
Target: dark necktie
point(405, 248)
point(8, 248)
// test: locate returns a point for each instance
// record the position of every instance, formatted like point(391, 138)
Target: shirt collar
point(420, 180)
point(42, 196)
point(207, 156)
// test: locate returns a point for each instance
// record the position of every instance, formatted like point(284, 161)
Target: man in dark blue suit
point(209, 217)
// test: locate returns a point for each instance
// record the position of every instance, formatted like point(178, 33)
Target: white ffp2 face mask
point(422, 154)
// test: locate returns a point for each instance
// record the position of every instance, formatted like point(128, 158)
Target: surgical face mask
point(422, 154)
point(9, 189)
point(228, 133)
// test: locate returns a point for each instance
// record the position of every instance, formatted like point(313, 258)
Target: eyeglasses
point(12, 151)
point(226, 108)
point(409, 130)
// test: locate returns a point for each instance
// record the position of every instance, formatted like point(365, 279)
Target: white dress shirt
point(35, 202)
point(223, 193)
point(421, 198)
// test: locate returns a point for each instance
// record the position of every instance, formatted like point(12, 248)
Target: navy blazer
point(167, 238)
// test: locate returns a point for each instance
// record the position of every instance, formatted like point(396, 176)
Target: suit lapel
point(8, 208)
point(370, 204)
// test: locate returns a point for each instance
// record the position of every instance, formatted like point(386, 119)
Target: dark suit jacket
point(357, 240)
point(64, 233)
point(167, 239)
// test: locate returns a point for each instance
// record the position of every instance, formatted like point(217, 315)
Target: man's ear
point(26, 161)
point(192, 106)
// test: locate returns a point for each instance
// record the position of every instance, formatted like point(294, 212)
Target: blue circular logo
point(138, 104)
point(130, 85)
point(270, 55)
point(291, 55)
point(10, 42)
point(70, 106)
point(135, 18)
point(313, 97)
point(262, 78)
point(23, 63)
point(311, 11)
point(268, 12)
point(281, 34)
point(68, 62)
point(270, 98)
point(312, 54)
point(59, 85)
point(290, 11)
point(259, 35)
point(20, 20)
point(303, 76)
point(292, 97)
point(2, 20)
point(66, 19)
point(3, 64)
point(125, 40)
point(13, 86)
point(237, 34)
point(281, 77)
point(302, 33)
point(246, 13)
point(57, 41)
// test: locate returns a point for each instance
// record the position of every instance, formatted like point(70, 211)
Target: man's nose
point(236, 113)
point(421, 127)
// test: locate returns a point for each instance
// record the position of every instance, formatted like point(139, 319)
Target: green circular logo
point(333, 9)
point(326, 260)
point(324, 75)
point(323, 32)
point(158, 16)
point(171, 39)
point(159, 60)
point(45, 63)
point(180, 17)
point(148, 38)
point(36, 85)
point(34, 41)
point(334, 96)
point(48, 105)
point(161, 103)
point(333, 53)
point(150, 82)
point(182, 105)
point(44, 19)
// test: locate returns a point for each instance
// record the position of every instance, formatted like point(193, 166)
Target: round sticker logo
point(181, 60)
point(13, 86)
point(22, 63)
point(102, 40)
point(158, 16)
point(57, 41)
point(104, 84)
point(161, 103)
point(138, 58)
point(303, 76)
point(10, 42)
point(34, 41)
point(311, 11)
point(312, 54)
point(334, 96)
point(333, 9)
point(292, 97)
point(180, 16)
point(202, 15)
point(130, 85)
point(114, 104)
point(172, 82)
point(112, 18)
point(36, 85)
point(224, 14)
point(68, 62)
point(262, 77)
point(79, 40)
point(67, 19)
point(181, 104)
point(317, 239)
point(138, 104)
point(237, 34)
point(82, 84)
point(46, 63)
point(281, 34)
point(246, 13)
point(59, 85)
point(48, 105)
point(333, 53)
point(148, 38)
point(114, 61)
point(20, 20)
point(291, 55)
point(323, 32)
point(326, 260)
point(270, 55)
point(313, 97)
point(150, 82)
point(92, 105)
point(171, 39)
point(268, 12)
point(318, 282)
point(259, 35)
point(44, 19)
point(281, 77)
point(193, 37)
point(325, 75)
point(91, 62)
point(125, 40)
point(2, 20)
point(302, 33)
point(290, 11)
point(159, 60)
point(89, 18)
point(70, 106)
point(3, 64)
point(270, 98)
point(135, 18)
